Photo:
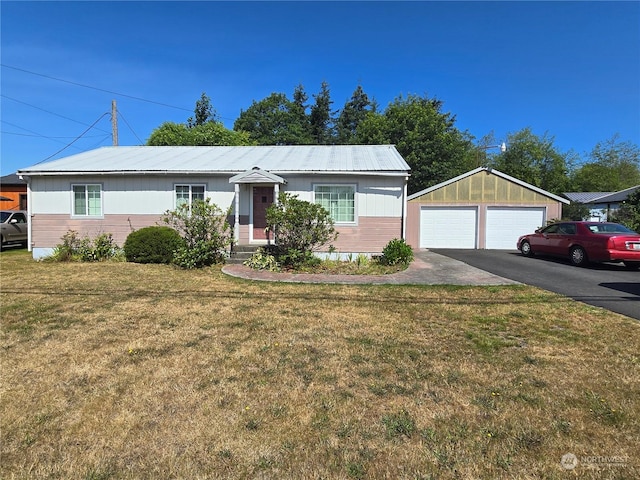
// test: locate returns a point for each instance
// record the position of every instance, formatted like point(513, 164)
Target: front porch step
point(241, 253)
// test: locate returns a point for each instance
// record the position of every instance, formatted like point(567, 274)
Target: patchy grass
point(125, 371)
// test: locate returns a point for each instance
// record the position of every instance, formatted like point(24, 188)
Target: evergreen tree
point(354, 112)
point(321, 117)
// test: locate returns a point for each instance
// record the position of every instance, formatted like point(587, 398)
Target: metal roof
point(226, 159)
point(585, 197)
point(620, 196)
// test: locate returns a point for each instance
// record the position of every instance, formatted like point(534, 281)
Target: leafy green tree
point(201, 130)
point(534, 160)
point(629, 212)
point(276, 121)
point(614, 165)
point(206, 232)
point(353, 113)
point(300, 228)
point(321, 117)
point(207, 134)
point(575, 211)
point(424, 135)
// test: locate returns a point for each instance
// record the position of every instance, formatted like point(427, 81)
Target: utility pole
point(114, 123)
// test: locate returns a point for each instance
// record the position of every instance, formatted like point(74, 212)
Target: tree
point(354, 112)
point(321, 117)
point(205, 230)
point(575, 211)
point(300, 228)
point(276, 120)
point(424, 135)
point(202, 130)
point(208, 134)
point(629, 212)
point(614, 165)
point(204, 112)
point(534, 160)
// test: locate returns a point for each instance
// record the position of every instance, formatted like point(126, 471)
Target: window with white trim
point(187, 194)
point(87, 200)
point(338, 200)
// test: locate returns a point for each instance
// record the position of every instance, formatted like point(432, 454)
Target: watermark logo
point(569, 461)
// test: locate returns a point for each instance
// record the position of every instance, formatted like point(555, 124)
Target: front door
point(262, 198)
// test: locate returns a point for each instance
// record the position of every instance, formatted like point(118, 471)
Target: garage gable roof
point(491, 171)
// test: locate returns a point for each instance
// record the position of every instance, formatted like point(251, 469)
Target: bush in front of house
point(155, 244)
point(300, 228)
point(397, 252)
point(75, 248)
point(205, 230)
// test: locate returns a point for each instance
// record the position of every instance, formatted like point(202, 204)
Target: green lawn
point(117, 370)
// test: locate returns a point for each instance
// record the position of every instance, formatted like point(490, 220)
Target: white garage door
point(448, 227)
point(505, 225)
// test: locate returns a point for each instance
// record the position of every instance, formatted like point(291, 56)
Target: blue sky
point(568, 69)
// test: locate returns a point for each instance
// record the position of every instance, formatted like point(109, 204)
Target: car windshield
point(608, 228)
point(4, 216)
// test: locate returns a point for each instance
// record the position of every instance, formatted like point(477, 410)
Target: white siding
point(375, 196)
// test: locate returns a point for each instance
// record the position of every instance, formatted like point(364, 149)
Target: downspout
point(236, 226)
point(29, 234)
point(404, 209)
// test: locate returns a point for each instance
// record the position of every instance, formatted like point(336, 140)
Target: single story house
point(483, 208)
point(120, 189)
point(601, 204)
point(13, 193)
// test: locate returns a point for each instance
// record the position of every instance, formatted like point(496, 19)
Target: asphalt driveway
point(607, 285)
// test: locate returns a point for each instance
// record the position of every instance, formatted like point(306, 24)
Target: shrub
point(206, 233)
point(263, 260)
point(75, 248)
point(155, 244)
point(396, 252)
point(300, 228)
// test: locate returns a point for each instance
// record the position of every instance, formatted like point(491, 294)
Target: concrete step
point(241, 253)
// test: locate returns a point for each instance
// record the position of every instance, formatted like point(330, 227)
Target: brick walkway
point(428, 268)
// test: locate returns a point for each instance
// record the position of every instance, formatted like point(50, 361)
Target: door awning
point(257, 175)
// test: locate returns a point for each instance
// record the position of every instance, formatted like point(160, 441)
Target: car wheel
point(578, 257)
point(525, 248)
point(632, 265)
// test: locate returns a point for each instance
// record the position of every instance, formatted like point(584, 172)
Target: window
point(339, 200)
point(87, 200)
point(187, 194)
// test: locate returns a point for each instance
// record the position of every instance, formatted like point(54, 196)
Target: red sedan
point(583, 242)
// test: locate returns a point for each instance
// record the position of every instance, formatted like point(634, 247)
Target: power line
point(44, 110)
point(94, 88)
point(76, 139)
point(134, 133)
point(99, 89)
point(37, 135)
point(33, 132)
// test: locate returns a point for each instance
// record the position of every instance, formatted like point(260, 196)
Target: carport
point(483, 208)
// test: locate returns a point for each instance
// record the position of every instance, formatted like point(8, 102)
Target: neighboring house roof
point(226, 159)
point(601, 197)
point(494, 172)
point(620, 196)
point(12, 179)
point(585, 197)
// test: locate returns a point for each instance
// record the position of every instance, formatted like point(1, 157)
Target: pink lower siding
point(369, 236)
point(47, 230)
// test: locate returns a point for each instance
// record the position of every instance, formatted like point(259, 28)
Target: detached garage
point(483, 208)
